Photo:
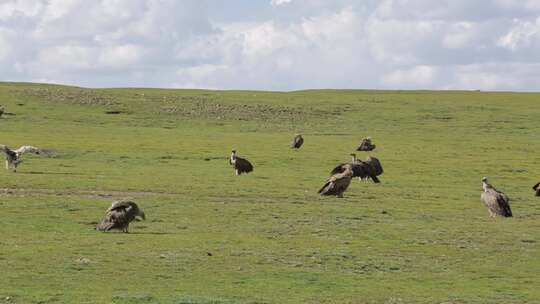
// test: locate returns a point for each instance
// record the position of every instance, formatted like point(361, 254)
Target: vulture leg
point(236, 172)
point(375, 179)
point(7, 165)
point(340, 195)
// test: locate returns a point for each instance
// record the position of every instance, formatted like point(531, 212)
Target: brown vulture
point(496, 201)
point(537, 189)
point(297, 141)
point(13, 157)
point(338, 183)
point(366, 145)
point(364, 170)
point(119, 215)
point(240, 165)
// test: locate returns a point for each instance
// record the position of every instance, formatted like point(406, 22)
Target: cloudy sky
point(273, 44)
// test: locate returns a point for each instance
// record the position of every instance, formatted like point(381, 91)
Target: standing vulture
point(366, 145)
point(364, 170)
point(13, 157)
point(537, 189)
point(338, 183)
point(297, 141)
point(240, 165)
point(496, 201)
point(119, 215)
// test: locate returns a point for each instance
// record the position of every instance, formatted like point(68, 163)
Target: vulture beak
point(484, 179)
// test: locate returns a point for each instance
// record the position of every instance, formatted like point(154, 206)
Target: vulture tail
point(375, 179)
point(323, 189)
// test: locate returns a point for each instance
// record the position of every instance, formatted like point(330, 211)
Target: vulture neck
point(233, 157)
point(486, 186)
point(354, 159)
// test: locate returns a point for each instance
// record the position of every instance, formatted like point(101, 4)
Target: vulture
point(13, 157)
point(241, 165)
point(366, 145)
point(364, 170)
point(1, 111)
point(338, 183)
point(537, 189)
point(119, 215)
point(496, 201)
point(297, 141)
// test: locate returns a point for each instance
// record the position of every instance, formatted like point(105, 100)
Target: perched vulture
point(364, 170)
point(496, 201)
point(297, 141)
point(119, 215)
point(537, 189)
point(366, 145)
point(240, 165)
point(338, 183)
point(13, 157)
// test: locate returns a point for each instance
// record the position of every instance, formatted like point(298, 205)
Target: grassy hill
point(421, 236)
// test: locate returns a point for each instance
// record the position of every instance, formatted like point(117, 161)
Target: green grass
point(421, 236)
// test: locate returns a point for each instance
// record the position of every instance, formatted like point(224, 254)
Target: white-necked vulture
point(364, 170)
point(241, 165)
point(297, 141)
point(338, 183)
point(536, 188)
point(496, 202)
point(366, 145)
point(13, 157)
point(119, 215)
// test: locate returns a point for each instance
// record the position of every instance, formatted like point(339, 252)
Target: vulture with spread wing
point(297, 141)
point(241, 165)
point(366, 145)
point(364, 170)
point(13, 157)
point(119, 215)
point(338, 183)
point(496, 201)
point(537, 189)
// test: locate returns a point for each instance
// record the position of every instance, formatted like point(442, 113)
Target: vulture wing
point(243, 165)
point(537, 189)
point(116, 218)
point(497, 202)
point(34, 150)
point(336, 184)
point(376, 165)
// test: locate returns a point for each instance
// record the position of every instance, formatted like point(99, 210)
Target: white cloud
point(521, 35)
point(279, 2)
point(417, 77)
point(486, 44)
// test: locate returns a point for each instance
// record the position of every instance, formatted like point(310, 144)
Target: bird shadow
point(49, 173)
point(151, 233)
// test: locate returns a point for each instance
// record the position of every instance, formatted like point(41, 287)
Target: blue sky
point(273, 44)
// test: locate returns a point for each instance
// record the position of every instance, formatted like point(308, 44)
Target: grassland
point(421, 236)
